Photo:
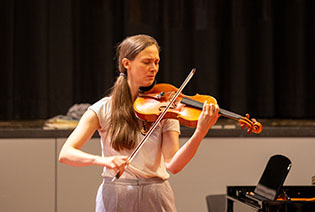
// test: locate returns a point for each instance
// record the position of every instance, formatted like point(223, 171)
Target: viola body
point(187, 109)
point(149, 105)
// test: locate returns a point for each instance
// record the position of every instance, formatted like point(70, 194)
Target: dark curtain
point(253, 56)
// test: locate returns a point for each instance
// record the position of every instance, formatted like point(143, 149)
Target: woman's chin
point(149, 83)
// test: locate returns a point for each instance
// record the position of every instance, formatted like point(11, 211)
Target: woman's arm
point(71, 153)
point(177, 158)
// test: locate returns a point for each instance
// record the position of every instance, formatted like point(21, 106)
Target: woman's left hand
point(207, 118)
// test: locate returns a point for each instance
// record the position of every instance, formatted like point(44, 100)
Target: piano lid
point(273, 177)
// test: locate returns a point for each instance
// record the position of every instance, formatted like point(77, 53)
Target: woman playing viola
point(144, 185)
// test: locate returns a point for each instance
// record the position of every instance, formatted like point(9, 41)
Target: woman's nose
point(155, 67)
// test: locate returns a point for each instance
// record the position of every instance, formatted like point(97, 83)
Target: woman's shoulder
point(102, 103)
point(102, 108)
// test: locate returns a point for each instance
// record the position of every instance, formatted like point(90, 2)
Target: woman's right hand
point(116, 163)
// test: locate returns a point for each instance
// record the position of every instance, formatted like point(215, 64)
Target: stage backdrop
point(252, 56)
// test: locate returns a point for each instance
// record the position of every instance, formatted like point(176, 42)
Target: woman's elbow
point(173, 169)
point(61, 159)
point(62, 156)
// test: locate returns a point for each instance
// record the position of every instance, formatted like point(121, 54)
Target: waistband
point(144, 181)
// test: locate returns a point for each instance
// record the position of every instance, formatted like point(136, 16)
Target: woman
point(143, 186)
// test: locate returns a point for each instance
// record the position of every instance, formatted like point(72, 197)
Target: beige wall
point(27, 179)
point(32, 180)
point(77, 186)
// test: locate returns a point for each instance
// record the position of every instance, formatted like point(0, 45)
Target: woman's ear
point(126, 63)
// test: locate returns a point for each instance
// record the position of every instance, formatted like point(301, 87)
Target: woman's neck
point(134, 89)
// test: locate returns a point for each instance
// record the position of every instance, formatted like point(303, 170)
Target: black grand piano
point(269, 195)
point(300, 199)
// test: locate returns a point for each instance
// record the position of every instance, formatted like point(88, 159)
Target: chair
point(216, 202)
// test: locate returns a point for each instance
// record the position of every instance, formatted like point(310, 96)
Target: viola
point(149, 105)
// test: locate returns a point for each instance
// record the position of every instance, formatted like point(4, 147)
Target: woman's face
point(143, 68)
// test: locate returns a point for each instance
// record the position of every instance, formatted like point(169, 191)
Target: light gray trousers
point(123, 195)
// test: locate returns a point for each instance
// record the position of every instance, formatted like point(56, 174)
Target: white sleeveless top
point(149, 161)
